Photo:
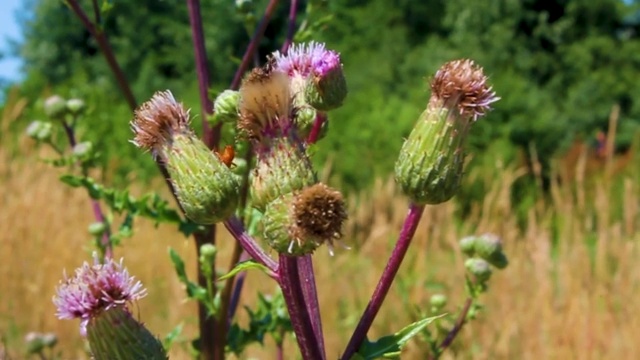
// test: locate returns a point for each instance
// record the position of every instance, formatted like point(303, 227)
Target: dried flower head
point(265, 104)
point(158, 120)
point(462, 85)
point(306, 59)
point(297, 223)
point(94, 289)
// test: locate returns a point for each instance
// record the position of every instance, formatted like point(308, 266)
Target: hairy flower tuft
point(94, 289)
point(297, 223)
point(158, 120)
point(462, 85)
point(265, 104)
point(306, 59)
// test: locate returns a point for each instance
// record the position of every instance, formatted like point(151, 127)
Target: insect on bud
point(208, 191)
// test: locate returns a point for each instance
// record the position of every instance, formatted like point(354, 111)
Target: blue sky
point(8, 30)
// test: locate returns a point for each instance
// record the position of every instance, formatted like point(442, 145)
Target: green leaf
point(178, 265)
point(391, 346)
point(71, 180)
point(171, 337)
point(243, 266)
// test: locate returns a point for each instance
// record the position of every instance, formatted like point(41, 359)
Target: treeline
point(559, 67)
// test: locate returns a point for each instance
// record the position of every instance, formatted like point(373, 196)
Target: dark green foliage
point(559, 67)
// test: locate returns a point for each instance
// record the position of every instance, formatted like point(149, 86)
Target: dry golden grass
point(569, 292)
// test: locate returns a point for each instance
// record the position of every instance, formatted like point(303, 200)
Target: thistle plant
point(274, 207)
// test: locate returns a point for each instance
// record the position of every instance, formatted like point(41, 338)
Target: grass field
point(569, 292)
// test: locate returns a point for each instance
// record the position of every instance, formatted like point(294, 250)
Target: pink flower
point(95, 288)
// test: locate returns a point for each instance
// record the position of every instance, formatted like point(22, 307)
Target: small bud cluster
point(484, 252)
point(276, 111)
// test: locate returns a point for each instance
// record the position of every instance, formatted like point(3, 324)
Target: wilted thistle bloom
point(99, 295)
point(266, 117)
point(316, 75)
point(298, 223)
point(208, 191)
point(94, 289)
point(429, 168)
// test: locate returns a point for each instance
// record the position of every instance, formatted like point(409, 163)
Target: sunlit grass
point(568, 293)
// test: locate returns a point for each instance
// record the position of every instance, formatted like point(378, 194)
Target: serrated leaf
point(391, 346)
point(178, 264)
point(71, 180)
point(171, 337)
point(243, 266)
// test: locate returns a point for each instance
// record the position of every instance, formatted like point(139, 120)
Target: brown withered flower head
point(462, 86)
point(266, 108)
point(298, 223)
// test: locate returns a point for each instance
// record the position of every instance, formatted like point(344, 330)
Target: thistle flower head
point(157, 122)
point(298, 223)
point(431, 162)
point(208, 191)
point(94, 289)
point(315, 73)
point(461, 85)
point(266, 108)
point(306, 59)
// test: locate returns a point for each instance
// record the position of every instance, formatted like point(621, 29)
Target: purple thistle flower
point(95, 288)
point(306, 59)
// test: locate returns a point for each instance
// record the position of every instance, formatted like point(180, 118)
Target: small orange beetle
point(227, 155)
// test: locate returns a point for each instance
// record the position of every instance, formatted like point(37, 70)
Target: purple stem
point(235, 227)
point(213, 334)
point(210, 136)
point(107, 51)
point(462, 319)
point(237, 289)
point(105, 241)
point(310, 294)
point(289, 280)
point(253, 45)
point(321, 117)
point(389, 273)
point(291, 26)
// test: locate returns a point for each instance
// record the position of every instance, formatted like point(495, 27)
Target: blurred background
point(553, 169)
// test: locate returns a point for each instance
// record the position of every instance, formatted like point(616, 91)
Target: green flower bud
point(225, 108)
point(489, 248)
point(438, 301)
point(115, 335)
point(75, 106)
point(55, 107)
point(328, 90)
point(208, 251)
point(49, 340)
point(499, 260)
point(282, 168)
point(40, 130)
point(97, 228)
point(244, 6)
point(487, 245)
point(297, 223)
point(478, 268)
point(468, 245)
point(207, 190)
point(306, 118)
point(34, 342)
point(429, 168)
point(83, 149)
